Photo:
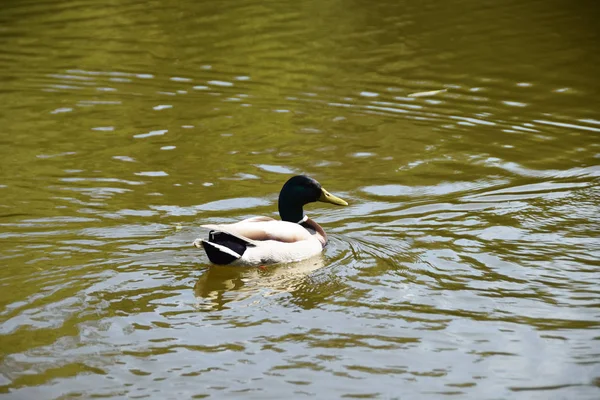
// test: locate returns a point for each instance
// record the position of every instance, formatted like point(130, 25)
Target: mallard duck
point(264, 240)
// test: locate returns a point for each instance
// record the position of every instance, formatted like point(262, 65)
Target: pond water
point(468, 261)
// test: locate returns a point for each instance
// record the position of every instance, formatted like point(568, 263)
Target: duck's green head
point(300, 190)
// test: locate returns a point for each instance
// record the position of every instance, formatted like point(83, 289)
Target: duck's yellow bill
point(327, 197)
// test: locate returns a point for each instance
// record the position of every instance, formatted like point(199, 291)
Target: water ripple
point(465, 264)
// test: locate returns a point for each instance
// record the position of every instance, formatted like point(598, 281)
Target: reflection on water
point(464, 135)
point(220, 285)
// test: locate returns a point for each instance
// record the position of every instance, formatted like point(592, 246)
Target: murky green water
point(466, 265)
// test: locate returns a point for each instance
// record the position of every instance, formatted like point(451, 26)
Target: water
point(467, 263)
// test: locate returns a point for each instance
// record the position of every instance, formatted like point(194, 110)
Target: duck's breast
point(315, 230)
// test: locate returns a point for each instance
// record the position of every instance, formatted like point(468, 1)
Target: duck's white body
point(263, 240)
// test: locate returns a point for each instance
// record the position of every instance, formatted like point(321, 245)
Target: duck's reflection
point(220, 285)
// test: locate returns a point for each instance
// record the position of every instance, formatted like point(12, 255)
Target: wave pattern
point(465, 143)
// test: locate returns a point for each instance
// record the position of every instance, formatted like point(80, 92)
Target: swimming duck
point(264, 240)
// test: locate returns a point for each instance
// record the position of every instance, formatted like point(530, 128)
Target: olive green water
point(467, 264)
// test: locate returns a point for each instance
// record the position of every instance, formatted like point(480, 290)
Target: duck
point(262, 240)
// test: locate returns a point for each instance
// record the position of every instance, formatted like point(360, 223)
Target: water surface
point(466, 265)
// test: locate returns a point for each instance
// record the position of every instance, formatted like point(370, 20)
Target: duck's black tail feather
point(224, 248)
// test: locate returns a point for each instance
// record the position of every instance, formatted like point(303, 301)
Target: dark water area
point(467, 264)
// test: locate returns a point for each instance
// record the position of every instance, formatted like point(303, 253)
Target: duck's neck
point(290, 209)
